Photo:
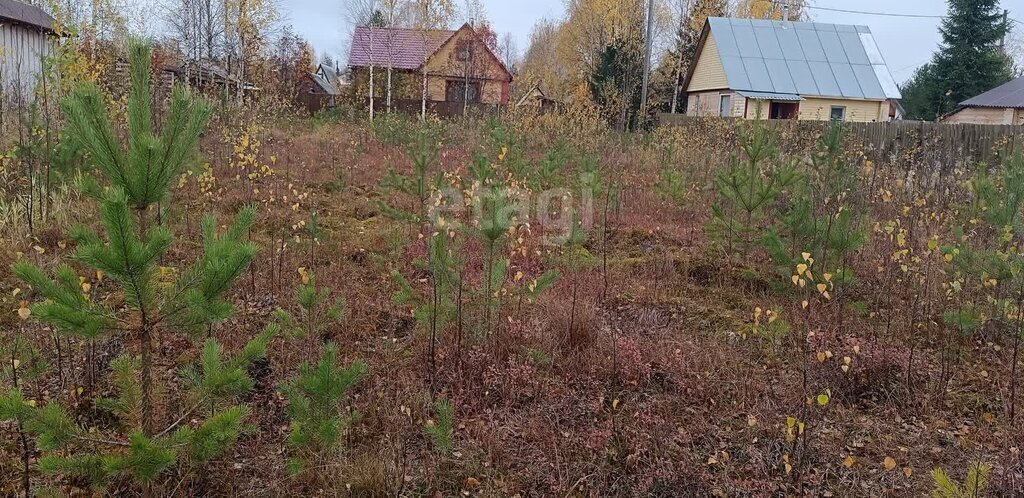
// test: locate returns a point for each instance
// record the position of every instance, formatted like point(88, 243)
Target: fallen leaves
point(23, 310)
point(889, 463)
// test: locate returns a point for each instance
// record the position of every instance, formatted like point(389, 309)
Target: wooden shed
point(1002, 105)
point(26, 37)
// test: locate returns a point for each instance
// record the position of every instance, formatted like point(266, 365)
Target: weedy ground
point(653, 384)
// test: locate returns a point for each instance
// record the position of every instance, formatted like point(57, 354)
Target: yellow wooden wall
point(490, 90)
point(986, 115)
point(483, 67)
point(707, 105)
point(709, 74)
point(857, 111)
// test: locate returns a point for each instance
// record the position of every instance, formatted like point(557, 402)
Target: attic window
point(463, 52)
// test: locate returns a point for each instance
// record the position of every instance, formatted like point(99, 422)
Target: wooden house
point(461, 70)
point(26, 38)
point(750, 68)
point(1002, 105)
point(321, 89)
point(537, 100)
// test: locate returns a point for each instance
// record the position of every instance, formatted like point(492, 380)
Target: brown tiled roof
point(406, 46)
point(12, 11)
point(1010, 94)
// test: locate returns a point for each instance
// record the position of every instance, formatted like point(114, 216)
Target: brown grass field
point(642, 371)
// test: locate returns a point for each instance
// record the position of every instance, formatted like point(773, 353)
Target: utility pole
point(1006, 29)
point(647, 56)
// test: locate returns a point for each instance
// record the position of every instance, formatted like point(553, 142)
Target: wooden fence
point(442, 109)
point(934, 144)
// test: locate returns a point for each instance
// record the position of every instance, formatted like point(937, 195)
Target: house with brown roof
point(1002, 105)
point(461, 70)
point(26, 38)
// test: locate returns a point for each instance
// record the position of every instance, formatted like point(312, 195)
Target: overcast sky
point(905, 42)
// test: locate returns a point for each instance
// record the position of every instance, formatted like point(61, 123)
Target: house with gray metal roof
point(750, 68)
point(26, 38)
point(1002, 105)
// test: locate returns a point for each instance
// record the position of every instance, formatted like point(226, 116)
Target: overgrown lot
point(527, 306)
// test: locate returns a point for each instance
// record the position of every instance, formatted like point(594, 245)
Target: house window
point(783, 110)
point(724, 106)
point(838, 113)
point(463, 51)
point(458, 91)
point(696, 105)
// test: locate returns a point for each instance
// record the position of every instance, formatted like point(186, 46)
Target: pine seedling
point(20, 362)
point(747, 187)
point(216, 382)
point(440, 429)
point(129, 250)
point(315, 312)
point(14, 408)
point(819, 213)
point(422, 151)
point(315, 396)
point(551, 166)
point(973, 486)
point(495, 221)
point(672, 187)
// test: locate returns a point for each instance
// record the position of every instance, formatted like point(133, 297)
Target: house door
point(783, 110)
point(724, 106)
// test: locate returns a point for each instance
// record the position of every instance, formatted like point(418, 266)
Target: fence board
point(935, 144)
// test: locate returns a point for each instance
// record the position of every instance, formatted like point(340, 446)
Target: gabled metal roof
point(1010, 94)
point(807, 59)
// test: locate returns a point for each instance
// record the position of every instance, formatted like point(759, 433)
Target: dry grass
point(643, 388)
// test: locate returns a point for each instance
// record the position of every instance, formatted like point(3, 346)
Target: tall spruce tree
point(615, 82)
point(969, 61)
point(129, 249)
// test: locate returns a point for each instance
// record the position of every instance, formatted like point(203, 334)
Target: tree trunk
point(389, 88)
point(675, 85)
point(371, 92)
point(146, 340)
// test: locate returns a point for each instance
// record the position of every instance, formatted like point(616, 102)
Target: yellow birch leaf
point(24, 311)
point(848, 461)
point(889, 463)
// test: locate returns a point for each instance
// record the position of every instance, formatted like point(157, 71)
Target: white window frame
point(727, 110)
point(831, 111)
